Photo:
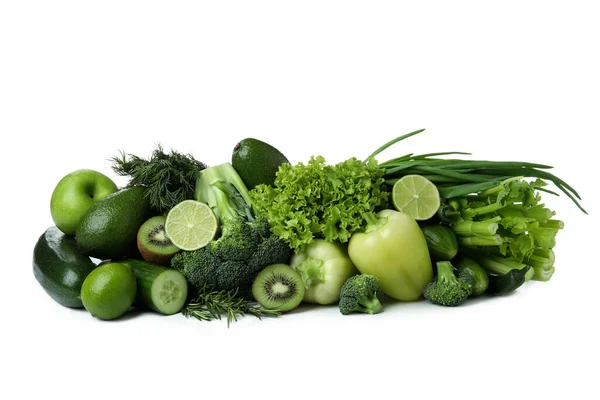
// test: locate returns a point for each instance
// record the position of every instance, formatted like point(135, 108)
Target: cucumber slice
point(161, 289)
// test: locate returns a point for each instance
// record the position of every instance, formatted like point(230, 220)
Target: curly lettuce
point(316, 200)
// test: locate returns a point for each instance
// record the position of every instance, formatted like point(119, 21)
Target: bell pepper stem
point(374, 222)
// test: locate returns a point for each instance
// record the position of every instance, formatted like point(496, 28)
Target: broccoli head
point(233, 261)
point(246, 244)
point(447, 289)
point(359, 294)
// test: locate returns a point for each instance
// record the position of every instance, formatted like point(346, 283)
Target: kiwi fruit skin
point(283, 276)
point(152, 242)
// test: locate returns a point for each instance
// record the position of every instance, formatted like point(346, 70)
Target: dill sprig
point(212, 304)
point(168, 178)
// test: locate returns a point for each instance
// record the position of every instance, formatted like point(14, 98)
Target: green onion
point(458, 177)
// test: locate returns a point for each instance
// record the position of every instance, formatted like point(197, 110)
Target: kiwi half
point(153, 243)
point(278, 287)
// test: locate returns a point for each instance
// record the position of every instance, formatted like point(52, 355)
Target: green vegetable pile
point(260, 235)
point(246, 245)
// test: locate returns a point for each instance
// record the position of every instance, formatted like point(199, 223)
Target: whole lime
point(109, 290)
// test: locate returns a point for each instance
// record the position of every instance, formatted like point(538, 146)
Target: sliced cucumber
point(161, 289)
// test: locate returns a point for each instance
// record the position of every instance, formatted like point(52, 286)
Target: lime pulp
point(416, 196)
point(191, 225)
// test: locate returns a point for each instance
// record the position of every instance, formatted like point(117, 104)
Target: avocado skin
point(60, 268)
point(256, 162)
point(109, 229)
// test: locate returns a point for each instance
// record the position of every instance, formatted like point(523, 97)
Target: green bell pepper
point(394, 249)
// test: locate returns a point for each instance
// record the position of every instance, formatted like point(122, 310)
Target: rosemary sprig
point(211, 304)
point(168, 178)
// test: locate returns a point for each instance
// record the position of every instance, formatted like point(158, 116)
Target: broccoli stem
point(369, 305)
point(445, 271)
point(447, 289)
point(471, 228)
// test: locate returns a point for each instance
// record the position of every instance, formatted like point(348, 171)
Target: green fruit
point(153, 243)
point(278, 287)
point(256, 162)
point(416, 196)
point(110, 227)
point(191, 225)
point(109, 290)
point(75, 194)
point(60, 268)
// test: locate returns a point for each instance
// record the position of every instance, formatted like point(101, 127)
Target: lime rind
point(416, 196)
point(191, 225)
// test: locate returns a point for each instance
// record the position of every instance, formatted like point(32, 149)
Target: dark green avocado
point(256, 162)
point(109, 229)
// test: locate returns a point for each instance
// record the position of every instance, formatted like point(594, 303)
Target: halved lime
point(191, 225)
point(416, 196)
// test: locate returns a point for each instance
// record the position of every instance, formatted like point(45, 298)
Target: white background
point(512, 80)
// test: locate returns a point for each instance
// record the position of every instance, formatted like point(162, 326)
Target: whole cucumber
point(480, 277)
point(60, 267)
point(441, 241)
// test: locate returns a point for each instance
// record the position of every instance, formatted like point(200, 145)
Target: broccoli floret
point(246, 245)
point(237, 242)
point(359, 294)
point(233, 261)
point(270, 249)
point(447, 289)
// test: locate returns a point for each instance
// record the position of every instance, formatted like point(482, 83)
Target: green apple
point(74, 195)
